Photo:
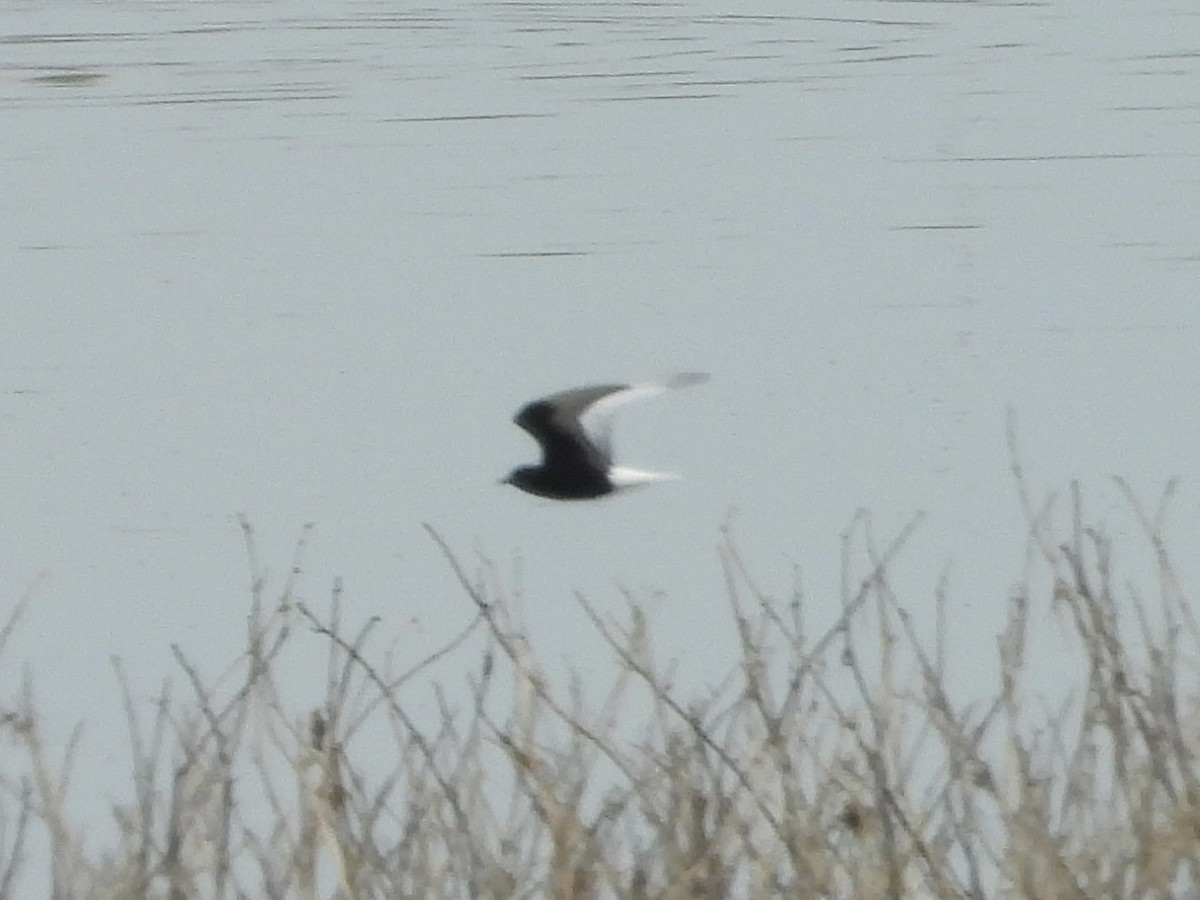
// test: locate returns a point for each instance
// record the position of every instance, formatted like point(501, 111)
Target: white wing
point(597, 418)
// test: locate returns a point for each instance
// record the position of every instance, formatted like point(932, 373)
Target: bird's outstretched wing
point(597, 417)
point(574, 427)
point(554, 422)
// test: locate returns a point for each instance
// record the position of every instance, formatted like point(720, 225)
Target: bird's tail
point(625, 477)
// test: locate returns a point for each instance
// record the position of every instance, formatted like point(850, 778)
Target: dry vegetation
point(828, 766)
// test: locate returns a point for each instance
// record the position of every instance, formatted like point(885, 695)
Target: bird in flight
point(573, 429)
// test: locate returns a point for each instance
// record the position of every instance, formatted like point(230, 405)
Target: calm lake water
point(305, 265)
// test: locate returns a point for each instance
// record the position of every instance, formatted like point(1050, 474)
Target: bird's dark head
point(521, 477)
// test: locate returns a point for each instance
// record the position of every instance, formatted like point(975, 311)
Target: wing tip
point(686, 379)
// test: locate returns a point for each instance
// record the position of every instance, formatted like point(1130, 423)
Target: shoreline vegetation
point(834, 765)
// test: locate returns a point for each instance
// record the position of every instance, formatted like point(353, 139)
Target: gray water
point(305, 265)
